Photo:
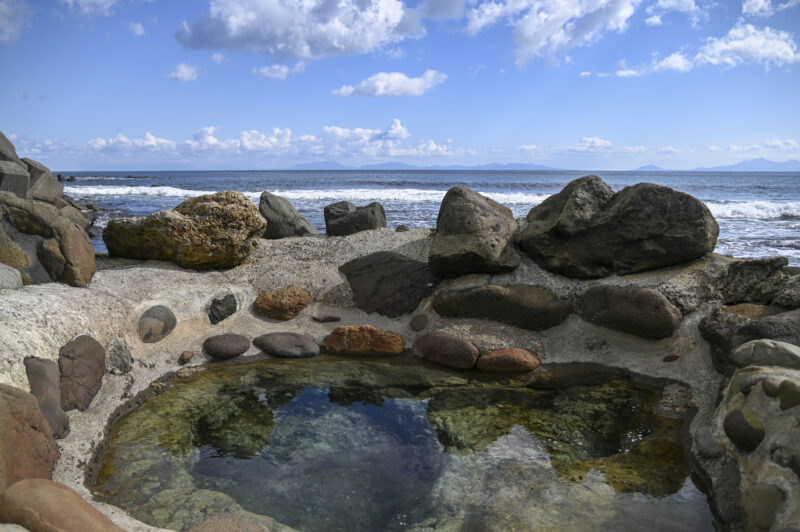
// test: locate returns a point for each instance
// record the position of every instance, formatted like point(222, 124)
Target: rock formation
point(283, 220)
point(344, 218)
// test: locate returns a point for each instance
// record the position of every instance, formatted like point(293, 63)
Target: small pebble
point(185, 357)
point(326, 318)
point(419, 322)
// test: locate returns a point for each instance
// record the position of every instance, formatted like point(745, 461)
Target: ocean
point(758, 213)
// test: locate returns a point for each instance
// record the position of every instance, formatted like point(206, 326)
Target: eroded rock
point(283, 305)
point(344, 218)
point(767, 353)
point(362, 340)
point(744, 428)
point(221, 308)
point(644, 312)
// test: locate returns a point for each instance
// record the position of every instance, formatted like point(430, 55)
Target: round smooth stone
point(226, 346)
point(287, 345)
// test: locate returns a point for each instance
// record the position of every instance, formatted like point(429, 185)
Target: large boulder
point(344, 218)
point(388, 283)
point(27, 447)
point(529, 307)
point(282, 218)
point(14, 178)
point(82, 362)
point(43, 185)
point(474, 234)
point(588, 231)
point(41, 242)
point(212, 231)
point(783, 327)
point(7, 150)
point(644, 312)
point(767, 353)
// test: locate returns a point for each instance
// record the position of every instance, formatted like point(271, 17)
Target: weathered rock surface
point(363, 340)
point(43, 185)
point(588, 231)
point(14, 178)
point(641, 311)
point(221, 308)
point(120, 357)
point(767, 353)
point(283, 220)
point(44, 505)
point(82, 362)
point(212, 231)
point(287, 345)
point(226, 346)
point(44, 377)
point(10, 278)
point(530, 307)
point(43, 244)
point(283, 305)
point(474, 234)
point(509, 360)
point(784, 327)
point(345, 218)
point(27, 447)
point(156, 324)
point(446, 349)
point(388, 283)
point(7, 150)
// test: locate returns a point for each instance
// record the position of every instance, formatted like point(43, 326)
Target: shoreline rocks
point(344, 218)
point(283, 220)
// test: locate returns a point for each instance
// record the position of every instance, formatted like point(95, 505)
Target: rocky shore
point(627, 280)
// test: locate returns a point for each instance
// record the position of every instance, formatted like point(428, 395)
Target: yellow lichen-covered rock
point(212, 231)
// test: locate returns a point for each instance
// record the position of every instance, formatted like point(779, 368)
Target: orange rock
point(283, 305)
point(363, 339)
point(185, 357)
point(510, 359)
point(225, 523)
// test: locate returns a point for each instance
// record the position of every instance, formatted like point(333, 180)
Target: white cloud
point(280, 71)
point(782, 144)
point(588, 148)
point(676, 61)
point(689, 7)
point(655, 20)
point(714, 148)
point(745, 43)
point(91, 7)
point(291, 29)
point(393, 84)
point(184, 73)
point(585, 74)
point(765, 8)
point(136, 28)
point(550, 28)
point(668, 149)
point(14, 16)
point(218, 58)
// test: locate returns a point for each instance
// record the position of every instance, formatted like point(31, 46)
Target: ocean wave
point(162, 191)
point(755, 210)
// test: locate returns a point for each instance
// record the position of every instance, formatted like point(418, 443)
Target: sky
point(266, 84)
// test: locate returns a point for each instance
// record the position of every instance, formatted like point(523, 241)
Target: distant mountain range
point(753, 165)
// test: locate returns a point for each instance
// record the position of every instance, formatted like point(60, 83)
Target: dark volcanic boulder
point(43, 377)
point(82, 362)
point(221, 308)
point(641, 311)
point(388, 283)
point(344, 218)
point(282, 218)
point(587, 231)
point(783, 327)
point(287, 345)
point(446, 349)
point(226, 346)
point(27, 447)
point(212, 231)
point(530, 307)
point(474, 234)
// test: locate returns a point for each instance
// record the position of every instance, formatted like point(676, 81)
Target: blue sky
point(239, 84)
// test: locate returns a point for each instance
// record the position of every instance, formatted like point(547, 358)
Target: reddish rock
point(82, 362)
point(283, 305)
point(185, 357)
point(228, 523)
point(446, 349)
point(27, 447)
point(363, 339)
point(47, 506)
point(671, 358)
point(43, 378)
point(510, 359)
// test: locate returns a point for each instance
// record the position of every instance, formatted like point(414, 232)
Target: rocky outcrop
point(212, 231)
point(50, 506)
point(82, 363)
point(283, 220)
point(37, 239)
point(512, 359)
point(474, 234)
point(14, 178)
point(226, 346)
point(282, 305)
point(44, 379)
point(529, 307)
point(588, 231)
point(287, 345)
point(388, 283)
point(643, 312)
point(27, 447)
point(344, 218)
point(363, 340)
point(43, 185)
point(447, 350)
point(156, 323)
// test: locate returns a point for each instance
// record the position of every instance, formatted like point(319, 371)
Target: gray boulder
point(10, 278)
point(344, 218)
point(156, 324)
point(644, 312)
point(529, 307)
point(14, 178)
point(588, 231)
point(282, 218)
point(474, 234)
point(767, 353)
point(43, 185)
point(783, 327)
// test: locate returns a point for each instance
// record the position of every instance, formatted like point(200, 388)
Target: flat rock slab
point(44, 377)
point(644, 312)
point(287, 345)
point(447, 350)
point(513, 359)
point(82, 362)
point(156, 324)
point(283, 305)
point(226, 346)
point(363, 340)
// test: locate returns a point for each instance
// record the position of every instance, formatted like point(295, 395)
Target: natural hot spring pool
point(395, 444)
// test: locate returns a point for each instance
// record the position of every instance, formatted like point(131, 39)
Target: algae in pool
point(395, 444)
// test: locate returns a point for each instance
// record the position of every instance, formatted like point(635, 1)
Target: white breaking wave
point(754, 210)
point(134, 191)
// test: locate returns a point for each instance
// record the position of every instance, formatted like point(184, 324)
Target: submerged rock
point(588, 231)
point(283, 305)
point(644, 312)
point(474, 234)
point(283, 220)
point(363, 340)
point(509, 360)
point(212, 231)
point(345, 218)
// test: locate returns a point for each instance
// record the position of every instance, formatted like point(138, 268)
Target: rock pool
point(393, 443)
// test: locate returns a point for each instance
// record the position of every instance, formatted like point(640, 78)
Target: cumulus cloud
point(765, 8)
point(655, 20)
point(14, 16)
point(385, 84)
point(586, 146)
point(91, 7)
point(183, 73)
point(136, 28)
point(288, 29)
point(280, 71)
point(688, 7)
point(550, 28)
point(676, 62)
point(745, 43)
point(218, 58)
